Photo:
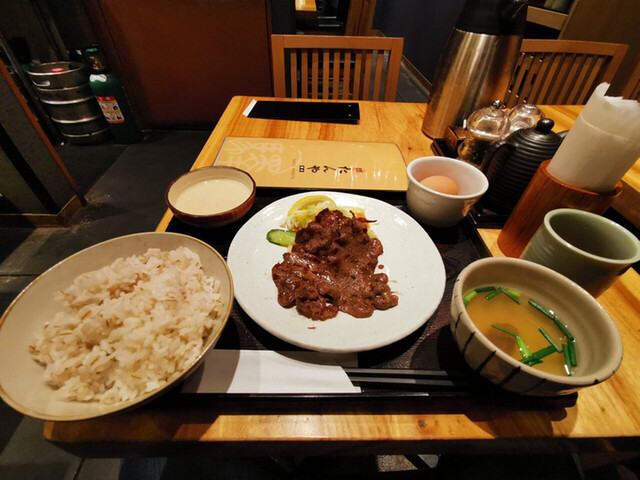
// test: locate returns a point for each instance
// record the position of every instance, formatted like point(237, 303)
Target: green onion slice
point(544, 352)
point(504, 330)
point(550, 340)
point(510, 295)
point(572, 354)
point(536, 357)
point(485, 289)
point(531, 360)
point(563, 328)
point(567, 359)
point(540, 308)
point(467, 298)
point(514, 292)
point(524, 350)
point(493, 294)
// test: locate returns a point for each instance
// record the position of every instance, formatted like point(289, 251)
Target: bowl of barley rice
point(113, 326)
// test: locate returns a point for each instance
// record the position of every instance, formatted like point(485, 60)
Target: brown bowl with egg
point(211, 196)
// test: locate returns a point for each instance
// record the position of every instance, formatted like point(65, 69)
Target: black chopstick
point(402, 372)
point(401, 376)
point(408, 381)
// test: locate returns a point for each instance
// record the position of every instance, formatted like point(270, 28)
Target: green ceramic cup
point(587, 248)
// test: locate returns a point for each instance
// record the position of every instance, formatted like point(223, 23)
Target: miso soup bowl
point(599, 345)
point(437, 209)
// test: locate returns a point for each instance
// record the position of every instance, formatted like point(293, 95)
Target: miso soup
point(523, 320)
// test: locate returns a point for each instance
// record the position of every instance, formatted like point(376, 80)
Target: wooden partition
point(182, 61)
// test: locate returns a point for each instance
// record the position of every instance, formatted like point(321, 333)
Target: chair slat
point(357, 74)
point(293, 65)
point(314, 73)
point(393, 70)
point(580, 82)
point(563, 71)
point(378, 77)
point(632, 87)
point(336, 75)
point(550, 77)
point(325, 74)
point(304, 73)
point(518, 84)
point(592, 80)
point(346, 85)
point(510, 97)
point(541, 76)
point(366, 73)
point(570, 89)
point(563, 86)
point(530, 78)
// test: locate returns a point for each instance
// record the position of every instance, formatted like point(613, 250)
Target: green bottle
point(113, 101)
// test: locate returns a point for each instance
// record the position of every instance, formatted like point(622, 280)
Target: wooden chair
point(562, 72)
point(336, 67)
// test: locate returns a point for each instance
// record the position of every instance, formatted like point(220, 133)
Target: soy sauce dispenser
point(477, 62)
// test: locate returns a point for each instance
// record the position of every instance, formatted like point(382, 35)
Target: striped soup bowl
point(600, 344)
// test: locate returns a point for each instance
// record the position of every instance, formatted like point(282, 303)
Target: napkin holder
point(543, 194)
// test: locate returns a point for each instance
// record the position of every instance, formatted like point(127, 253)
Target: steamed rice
point(127, 328)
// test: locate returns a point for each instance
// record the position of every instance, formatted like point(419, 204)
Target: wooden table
point(606, 417)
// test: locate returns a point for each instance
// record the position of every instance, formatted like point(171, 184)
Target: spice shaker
point(484, 127)
point(524, 115)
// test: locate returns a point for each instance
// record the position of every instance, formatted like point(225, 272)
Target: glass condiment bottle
point(484, 127)
point(524, 115)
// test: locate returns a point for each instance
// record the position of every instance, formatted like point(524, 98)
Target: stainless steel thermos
point(477, 62)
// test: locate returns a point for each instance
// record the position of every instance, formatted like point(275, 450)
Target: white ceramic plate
point(21, 382)
point(410, 259)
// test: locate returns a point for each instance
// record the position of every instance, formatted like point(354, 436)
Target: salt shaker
point(484, 127)
point(524, 115)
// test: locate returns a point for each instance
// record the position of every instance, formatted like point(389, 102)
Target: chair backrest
point(632, 87)
point(336, 67)
point(562, 72)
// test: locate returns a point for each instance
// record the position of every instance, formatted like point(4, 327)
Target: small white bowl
point(440, 209)
point(219, 219)
point(600, 344)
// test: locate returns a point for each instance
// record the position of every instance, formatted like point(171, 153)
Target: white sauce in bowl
point(212, 196)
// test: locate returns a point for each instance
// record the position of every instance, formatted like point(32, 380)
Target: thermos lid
point(493, 17)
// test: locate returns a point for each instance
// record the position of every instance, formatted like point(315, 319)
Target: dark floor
point(125, 187)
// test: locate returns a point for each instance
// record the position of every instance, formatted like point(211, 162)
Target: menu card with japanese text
point(296, 163)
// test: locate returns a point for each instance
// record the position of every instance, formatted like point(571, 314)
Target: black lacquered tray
point(428, 356)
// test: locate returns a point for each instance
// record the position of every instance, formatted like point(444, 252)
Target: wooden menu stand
point(546, 193)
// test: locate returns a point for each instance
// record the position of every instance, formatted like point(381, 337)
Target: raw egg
point(441, 184)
